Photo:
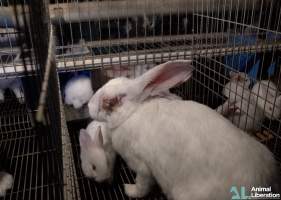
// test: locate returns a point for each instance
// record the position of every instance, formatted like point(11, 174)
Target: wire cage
point(234, 46)
point(30, 151)
point(251, 49)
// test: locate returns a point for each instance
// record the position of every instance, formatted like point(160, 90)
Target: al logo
point(238, 194)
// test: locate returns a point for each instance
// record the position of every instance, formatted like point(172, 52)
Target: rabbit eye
point(270, 108)
point(94, 167)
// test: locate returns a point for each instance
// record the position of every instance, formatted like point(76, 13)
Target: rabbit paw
point(6, 182)
point(132, 191)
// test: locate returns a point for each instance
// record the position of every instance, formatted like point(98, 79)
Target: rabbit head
point(94, 160)
point(120, 97)
point(237, 87)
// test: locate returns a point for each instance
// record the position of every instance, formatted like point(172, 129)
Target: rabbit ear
point(98, 138)
point(84, 138)
point(162, 78)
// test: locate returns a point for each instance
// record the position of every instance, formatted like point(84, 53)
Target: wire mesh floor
point(27, 155)
point(89, 189)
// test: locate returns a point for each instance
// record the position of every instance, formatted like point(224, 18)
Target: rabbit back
point(186, 144)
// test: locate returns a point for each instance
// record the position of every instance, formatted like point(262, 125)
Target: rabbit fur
point(191, 151)
point(240, 108)
point(96, 153)
point(15, 85)
point(266, 94)
point(103, 158)
point(6, 182)
point(78, 91)
point(238, 87)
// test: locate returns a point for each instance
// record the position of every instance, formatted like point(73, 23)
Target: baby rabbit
point(13, 84)
point(184, 146)
point(97, 155)
point(266, 95)
point(240, 108)
point(78, 91)
point(6, 182)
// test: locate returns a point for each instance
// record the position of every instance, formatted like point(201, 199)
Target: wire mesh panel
point(240, 74)
point(102, 33)
point(29, 151)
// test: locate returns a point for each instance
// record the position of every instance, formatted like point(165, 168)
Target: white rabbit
point(266, 95)
point(97, 155)
point(190, 150)
point(97, 151)
point(239, 108)
point(6, 182)
point(13, 84)
point(78, 91)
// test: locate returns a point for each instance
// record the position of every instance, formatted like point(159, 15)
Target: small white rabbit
point(97, 156)
point(266, 94)
point(6, 182)
point(190, 150)
point(13, 84)
point(239, 108)
point(78, 91)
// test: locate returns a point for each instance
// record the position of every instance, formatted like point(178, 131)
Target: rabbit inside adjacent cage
point(249, 100)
